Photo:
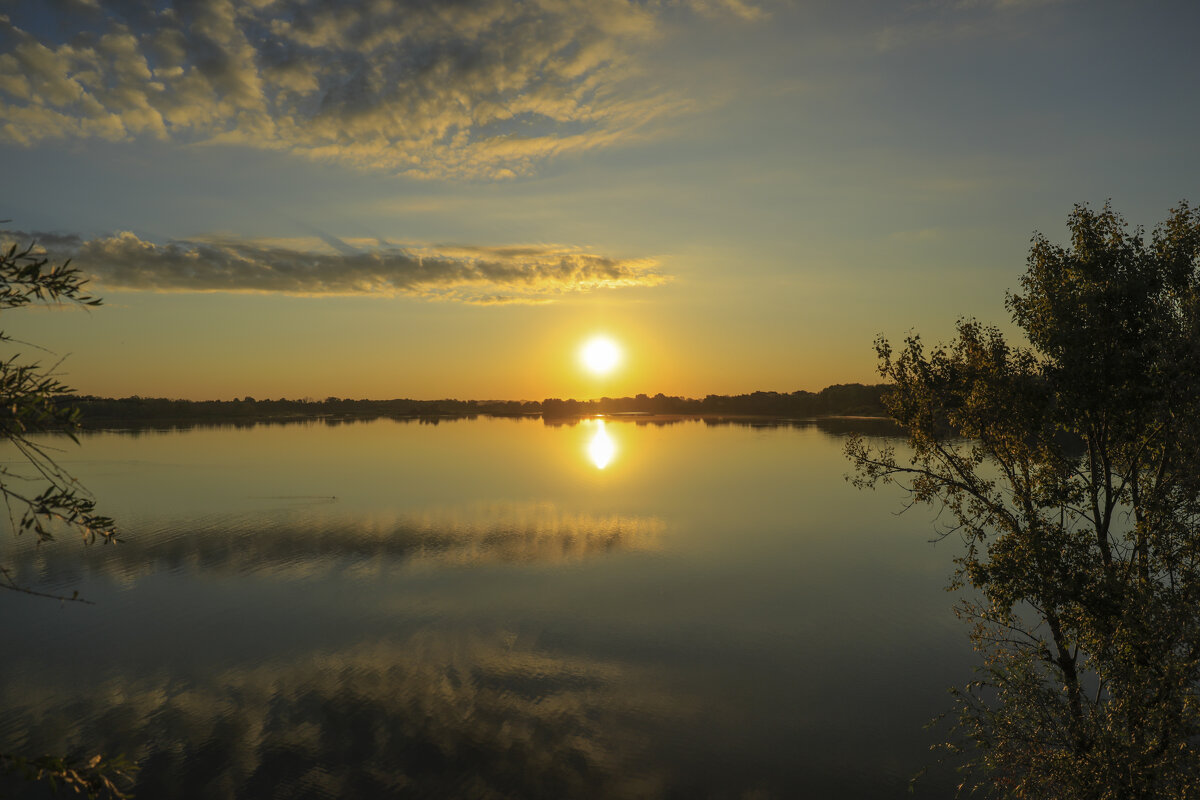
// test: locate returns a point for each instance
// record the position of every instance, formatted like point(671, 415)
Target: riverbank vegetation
point(1070, 470)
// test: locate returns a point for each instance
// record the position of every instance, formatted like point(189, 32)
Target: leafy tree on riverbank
point(1070, 468)
point(40, 496)
point(38, 493)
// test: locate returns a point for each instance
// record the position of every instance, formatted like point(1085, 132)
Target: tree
point(1070, 468)
point(33, 401)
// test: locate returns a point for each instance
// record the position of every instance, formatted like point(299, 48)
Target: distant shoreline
point(843, 400)
point(830, 423)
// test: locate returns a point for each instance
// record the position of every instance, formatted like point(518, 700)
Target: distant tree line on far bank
point(844, 399)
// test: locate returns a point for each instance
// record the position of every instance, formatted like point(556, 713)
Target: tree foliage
point(42, 497)
point(92, 777)
point(39, 494)
point(1070, 468)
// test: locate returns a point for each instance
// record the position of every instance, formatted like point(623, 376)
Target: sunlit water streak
point(601, 448)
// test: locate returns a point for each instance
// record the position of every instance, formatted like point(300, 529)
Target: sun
point(600, 355)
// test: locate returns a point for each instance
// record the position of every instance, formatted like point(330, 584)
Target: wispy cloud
point(460, 273)
point(751, 12)
point(920, 23)
point(483, 89)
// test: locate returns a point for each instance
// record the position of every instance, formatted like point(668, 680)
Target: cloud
point(747, 11)
point(479, 90)
point(947, 20)
point(468, 274)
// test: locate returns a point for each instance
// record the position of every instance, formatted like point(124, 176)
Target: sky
point(444, 198)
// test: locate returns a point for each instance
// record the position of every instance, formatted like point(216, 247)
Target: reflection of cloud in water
point(433, 716)
point(313, 540)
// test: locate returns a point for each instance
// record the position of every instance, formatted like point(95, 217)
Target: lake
point(488, 608)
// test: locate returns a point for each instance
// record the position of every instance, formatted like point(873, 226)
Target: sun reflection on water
point(601, 448)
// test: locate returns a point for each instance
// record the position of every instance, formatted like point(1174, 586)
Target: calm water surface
point(487, 609)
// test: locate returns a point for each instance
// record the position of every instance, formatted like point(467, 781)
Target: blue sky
point(445, 199)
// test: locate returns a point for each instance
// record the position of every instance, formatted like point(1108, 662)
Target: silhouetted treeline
point(845, 399)
point(852, 399)
point(100, 409)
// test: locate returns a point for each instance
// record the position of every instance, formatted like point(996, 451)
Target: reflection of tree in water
point(298, 542)
point(150, 426)
point(837, 426)
point(433, 716)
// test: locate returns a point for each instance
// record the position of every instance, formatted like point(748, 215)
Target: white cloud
point(474, 89)
point(467, 274)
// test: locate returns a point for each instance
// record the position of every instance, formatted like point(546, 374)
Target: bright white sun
point(600, 355)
